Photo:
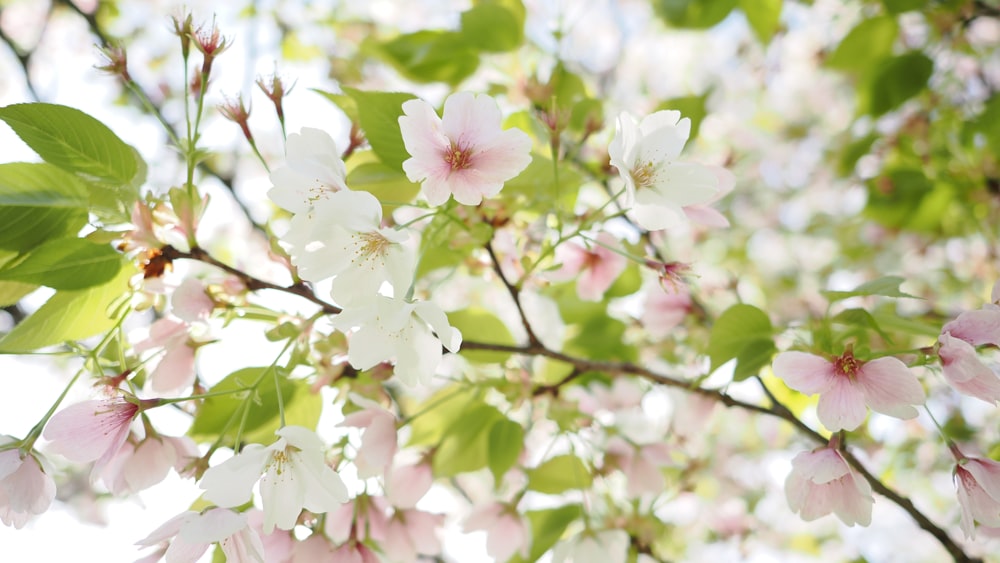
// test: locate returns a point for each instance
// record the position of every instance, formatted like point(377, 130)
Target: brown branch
point(515, 294)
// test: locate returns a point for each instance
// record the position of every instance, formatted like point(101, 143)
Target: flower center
point(847, 365)
point(458, 158)
point(370, 246)
point(643, 175)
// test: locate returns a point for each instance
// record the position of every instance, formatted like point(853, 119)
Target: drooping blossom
point(846, 385)
point(188, 535)
point(964, 370)
point(314, 548)
point(344, 237)
point(364, 517)
point(594, 267)
point(175, 369)
point(822, 482)
point(465, 152)
point(140, 464)
point(507, 532)
point(354, 552)
point(91, 430)
point(26, 489)
point(190, 301)
point(313, 171)
point(378, 444)
point(411, 533)
point(606, 546)
point(978, 482)
point(978, 327)
point(398, 330)
point(277, 545)
point(293, 475)
point(640, 464)
point(405, 485)
point(657, 186)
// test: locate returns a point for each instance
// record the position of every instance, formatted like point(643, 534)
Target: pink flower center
point(458, 158)
point(847, 365)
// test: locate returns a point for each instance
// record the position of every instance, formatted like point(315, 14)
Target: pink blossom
point(595, 267)
point(379, 442)
point(846, 385)
point(978, 483)
point(26, 489)
point(507, 532)
point(138, 466)
point(623, 394)
point(965, 371)
point(641, 465)
point(405, 485)
point(175, 370)
point(354, 552)
point(666, 307)
point(312, 549)
point(464, 153)
point(189, 534)
point(364, 517)
point(91, 430)
point(977, 327)
point(277, 545)
point(412, 532)
point(822, 482)
point(191, 302)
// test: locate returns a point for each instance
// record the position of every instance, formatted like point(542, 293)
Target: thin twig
point(515, 294)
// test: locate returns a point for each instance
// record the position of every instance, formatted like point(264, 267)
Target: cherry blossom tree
point(509, 280)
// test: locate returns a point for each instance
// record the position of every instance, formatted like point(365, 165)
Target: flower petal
point(890, 387)
point(806, 373)
point(842, 406)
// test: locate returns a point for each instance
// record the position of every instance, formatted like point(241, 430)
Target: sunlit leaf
point(744, 333)
point(559, 474)
point(379, 114)
point(69, 263)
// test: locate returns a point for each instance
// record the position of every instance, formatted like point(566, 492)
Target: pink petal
point(806, 373)
point(406, 485)
point(842, 406)
point(89, 430)
point(470, 119)
point(890, 387)
point(175, 371)
point(977, 327)
point(987, 475)
point(149, 464)
point(29, 489)
point(503, 157)
point(378, 445)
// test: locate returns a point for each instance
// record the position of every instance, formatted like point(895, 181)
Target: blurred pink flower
point(189, 534)
point(965, 371)
point(354, 552)
point(411, 533)
point(594, 267)
point(846, 385)
point(138, 466)
point(405, 485)
point(464, 153)
point(362, 518)
point(822, 482)
point(977, 327)
point(978, 483)
point(277, 545)
point(312, 549)
point(190, 301)
point(26, 489)
point(379, 442)
point(641, 465)
point(507, 532)
point(91, 430)
point(666, 307)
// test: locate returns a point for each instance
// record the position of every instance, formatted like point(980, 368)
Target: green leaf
point(887, 286)
point(487, 328)
point(389, 185)
point(865, 45)
point(432, 56)
point(448, 242)
point(38, 202)
point(506, 441)
point(895, 197)
point(600, 337)
point(988, 122)
point(466, 446)
point(12, 292)
point(693, 14)
point(494, 25)
point(536, 186)
point(547, 527)
point(559, 474)
point(439, 413)
point(691, 107)
point(742, 332)
point(764, 17)
point(898, 79)
point(901, 6)
point(68, 315)
point(344, 102)
point(69, 263)
point(73, 141)
point(861, 319)
point(302, 407)
point(379, 114)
